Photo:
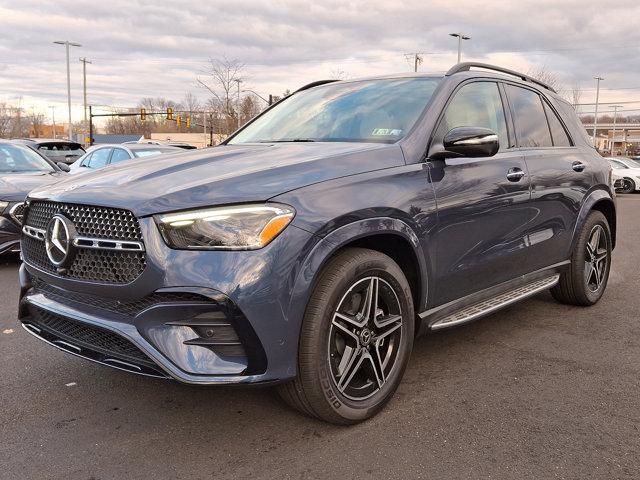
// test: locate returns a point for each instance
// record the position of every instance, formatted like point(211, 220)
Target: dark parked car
point(103, 155)
point(21, 170)
point(55, 150)
point(312, 247)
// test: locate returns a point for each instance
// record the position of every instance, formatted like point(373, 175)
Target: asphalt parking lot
point(539, 390)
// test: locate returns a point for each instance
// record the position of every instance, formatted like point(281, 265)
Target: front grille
point(129, 308)
point(92, 265)
point(88, 336)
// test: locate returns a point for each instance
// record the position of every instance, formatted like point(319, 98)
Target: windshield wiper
point(288, 140)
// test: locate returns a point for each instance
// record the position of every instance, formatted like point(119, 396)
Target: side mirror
point(63, 166)
point(470, 142)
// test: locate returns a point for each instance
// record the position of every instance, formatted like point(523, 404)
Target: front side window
point(99, 158)
point(15, 159)
point(476, 104)
point(532, 129)
point(382, 111)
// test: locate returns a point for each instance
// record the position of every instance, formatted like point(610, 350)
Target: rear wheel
point(356, 339)
point(628, 186)
point(586, 279)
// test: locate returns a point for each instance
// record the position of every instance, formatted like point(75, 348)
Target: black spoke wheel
point(356, 338)
point(364, 339)
point(586, 279)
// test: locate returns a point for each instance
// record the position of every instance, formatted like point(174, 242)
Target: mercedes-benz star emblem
point(59, 240)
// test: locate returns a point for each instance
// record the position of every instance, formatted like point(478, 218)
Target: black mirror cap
point(470, 142)
point(63, 166)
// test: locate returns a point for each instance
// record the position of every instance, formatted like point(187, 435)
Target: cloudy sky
point(154, 48)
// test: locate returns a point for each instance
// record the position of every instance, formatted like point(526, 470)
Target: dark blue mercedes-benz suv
point(315, 244)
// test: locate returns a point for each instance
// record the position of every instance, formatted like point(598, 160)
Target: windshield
point(15, 159)
point(363, 111)
point(632, 163)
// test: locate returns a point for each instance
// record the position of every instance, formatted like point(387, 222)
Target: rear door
point(118, 155)
point(559, 172)
point(99, 158)
point(482, 202)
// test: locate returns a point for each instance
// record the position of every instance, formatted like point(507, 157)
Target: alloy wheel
point(364, 338)
point(596, 259)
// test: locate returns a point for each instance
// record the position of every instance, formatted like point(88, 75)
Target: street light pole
point(53, 119)
point(595, 117)
point(460, 36)
point(68, 44)
point(613, 139)
point(238, 81)
point(84, 85)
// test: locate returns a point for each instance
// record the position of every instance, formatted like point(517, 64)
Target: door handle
point(578, 166)
point(515, 174)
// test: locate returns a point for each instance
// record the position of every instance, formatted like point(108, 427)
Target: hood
point(16, 186)
point(219, 175)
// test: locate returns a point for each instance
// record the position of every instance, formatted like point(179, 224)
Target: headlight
point(240, 227)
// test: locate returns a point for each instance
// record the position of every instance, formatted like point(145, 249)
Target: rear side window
point(99, 158)
point(476, 104)
point(532, 129)
point(558, 133)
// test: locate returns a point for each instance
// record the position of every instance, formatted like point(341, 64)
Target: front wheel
point(586, 279)
point(356, 339)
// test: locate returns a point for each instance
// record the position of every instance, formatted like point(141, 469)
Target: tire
point(628, 186)
point(581, 285)
point(341, 377)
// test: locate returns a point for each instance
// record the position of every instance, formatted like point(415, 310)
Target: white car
point(103, 155)
point(626, 174)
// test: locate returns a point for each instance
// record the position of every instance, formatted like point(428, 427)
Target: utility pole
point(84, 84)
point(417, 59)
point(68, 44)
point(461, 36)
point(53, 119)
point(595, 117)
point(613, 136)
point(238, 81)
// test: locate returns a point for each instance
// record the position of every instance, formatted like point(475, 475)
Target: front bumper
point(197, 317)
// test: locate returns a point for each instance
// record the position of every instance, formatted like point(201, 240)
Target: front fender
point(337, 239)
point(591, 199)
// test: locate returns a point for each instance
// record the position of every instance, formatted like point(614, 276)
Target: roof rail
point(466, 66)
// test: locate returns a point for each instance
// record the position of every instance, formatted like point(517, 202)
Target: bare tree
point(6, 120)
point(576, 95)
point(338, 74)
point(36, 121)
point(544, 75)
point(220, 81)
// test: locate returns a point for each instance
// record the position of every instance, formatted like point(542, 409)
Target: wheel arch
point(390, 236)
point(602, 201)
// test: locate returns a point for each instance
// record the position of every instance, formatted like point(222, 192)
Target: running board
point(491, 305)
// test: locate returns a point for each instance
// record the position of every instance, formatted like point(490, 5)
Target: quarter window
point(558, 133)
point(532, 129)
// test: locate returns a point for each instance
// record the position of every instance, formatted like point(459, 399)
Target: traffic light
point(188, 122)
point(178, 120)
point(143, 114)
point(169, 113)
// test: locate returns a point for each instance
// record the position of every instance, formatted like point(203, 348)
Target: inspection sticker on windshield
point(385, 132)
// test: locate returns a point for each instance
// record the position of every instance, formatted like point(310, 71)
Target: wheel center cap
point(365, 336)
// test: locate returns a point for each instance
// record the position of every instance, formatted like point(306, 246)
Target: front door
point(483, 203)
